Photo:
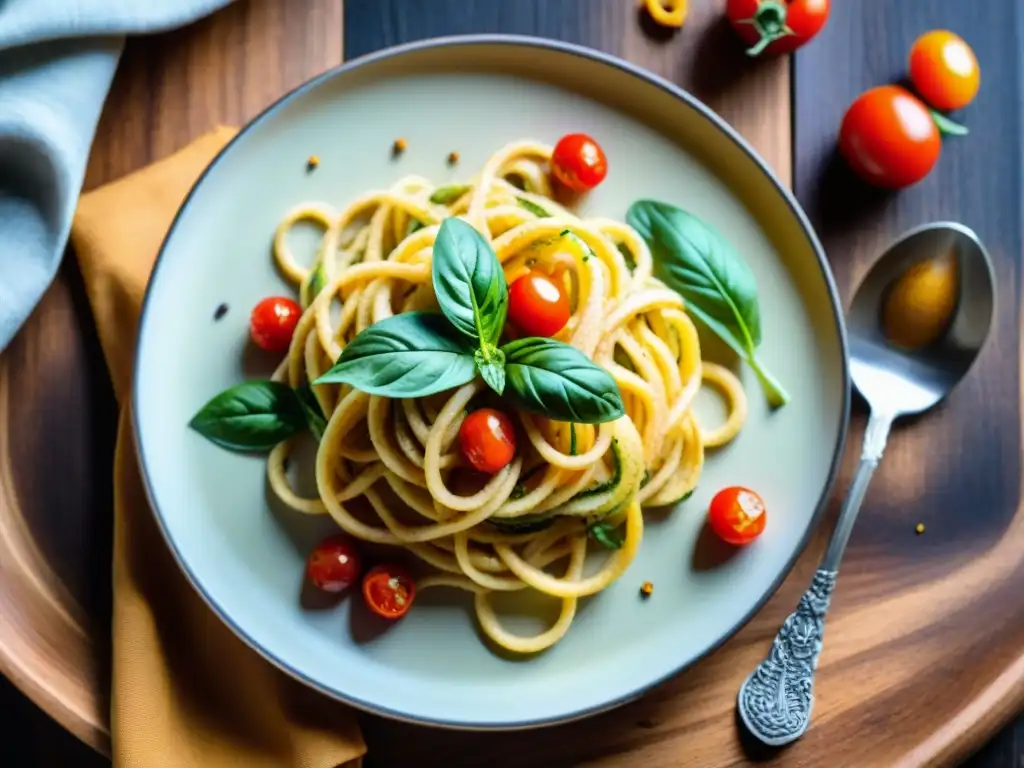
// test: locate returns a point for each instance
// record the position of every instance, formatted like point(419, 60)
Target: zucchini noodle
point(389, 472)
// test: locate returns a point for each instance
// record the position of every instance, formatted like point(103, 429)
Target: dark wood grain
point(959, 469)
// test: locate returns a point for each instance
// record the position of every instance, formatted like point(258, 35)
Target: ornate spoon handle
point(775, 701)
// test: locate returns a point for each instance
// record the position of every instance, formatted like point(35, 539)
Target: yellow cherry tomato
point(944, 69)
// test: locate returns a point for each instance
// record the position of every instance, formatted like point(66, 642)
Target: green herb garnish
point(532, 207)
point(695, 260)
point(606, 535)
point(449, 194)
point(252, 416)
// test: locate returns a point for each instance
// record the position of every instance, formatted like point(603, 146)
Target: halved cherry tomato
point(537, 305)
point(737, 515)
point(579, 162)
point(334, 564)
point(944, 69)
point(889, 137)
point(776, 26)
point(488, 440)
point(389, 591)
point(272, 323)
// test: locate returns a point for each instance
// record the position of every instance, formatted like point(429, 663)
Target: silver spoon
point(776, 699)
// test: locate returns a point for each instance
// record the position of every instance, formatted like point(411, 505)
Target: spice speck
point(453, 158)
point(220, 312)
point(919, 528)
point(312, 163)
point(399, 146)
point(646, 589)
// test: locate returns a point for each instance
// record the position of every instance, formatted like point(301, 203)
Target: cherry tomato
point(579, 162)
point(389, 591)
point(944, 69)
point(273, 322)
point(334, 564)
point(776, 26)
point(889, 138)
point(537, 305)
point(737, 515)
point(488, 440)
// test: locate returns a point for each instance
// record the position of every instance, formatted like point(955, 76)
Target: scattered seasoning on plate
point(919, 528)
point(453, 158)
point(399, 146)
point(312, 163)
point(646, 589)
point(220, 312)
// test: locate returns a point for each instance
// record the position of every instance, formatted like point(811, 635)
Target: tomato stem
point(770, 22)
point(946, 126)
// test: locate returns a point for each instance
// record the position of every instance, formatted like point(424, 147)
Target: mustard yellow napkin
point(186, 692)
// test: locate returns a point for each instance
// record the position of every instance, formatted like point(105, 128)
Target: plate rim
point(595, 56)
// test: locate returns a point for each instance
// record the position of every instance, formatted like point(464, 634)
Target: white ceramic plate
point(474, 95)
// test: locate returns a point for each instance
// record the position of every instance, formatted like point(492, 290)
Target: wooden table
point(917, 670)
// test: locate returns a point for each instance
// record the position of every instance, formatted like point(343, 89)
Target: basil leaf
point(552, 379)
point(409, 355)
point(449, 194)
point(694, 259)
point(572, 439)
point(490, 362)
point(252, 416)
point(606, 535)
point(414, 225)
point(532, 207)
point(311, 408)
point(469, 282)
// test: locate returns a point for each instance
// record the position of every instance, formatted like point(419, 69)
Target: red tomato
point(334, 564)
point(776, 26)
point(889, 138)
point(944, 69)
point(273, 322)
point(579, 162)
point(537, 305)
point(388, 591)
point(488, 440)
point(737, 515)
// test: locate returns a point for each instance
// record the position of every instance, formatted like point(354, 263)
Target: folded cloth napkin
point(186, 693)
point(57, 59)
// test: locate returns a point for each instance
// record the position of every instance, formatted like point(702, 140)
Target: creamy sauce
point(921, 303)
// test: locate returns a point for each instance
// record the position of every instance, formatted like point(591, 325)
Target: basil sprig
point(471, 290)
point(413, 354)
point(695, 260)
point(420, 353)
point(558, 381)
point(252, 416)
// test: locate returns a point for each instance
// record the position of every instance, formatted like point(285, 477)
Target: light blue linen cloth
point(57, 60)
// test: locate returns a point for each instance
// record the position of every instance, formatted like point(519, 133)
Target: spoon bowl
point(911, 381)
point(775, 701)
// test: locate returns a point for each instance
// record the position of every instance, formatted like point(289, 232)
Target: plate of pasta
point(487, 416)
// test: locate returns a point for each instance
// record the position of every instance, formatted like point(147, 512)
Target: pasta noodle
point(387, 470)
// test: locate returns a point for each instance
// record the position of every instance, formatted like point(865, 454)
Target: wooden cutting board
point(924, 651)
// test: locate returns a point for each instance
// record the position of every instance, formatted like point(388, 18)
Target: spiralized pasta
point(388, 472)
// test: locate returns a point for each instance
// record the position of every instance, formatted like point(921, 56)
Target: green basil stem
point(770, 22)
point(773, 389)
point(946, 126)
